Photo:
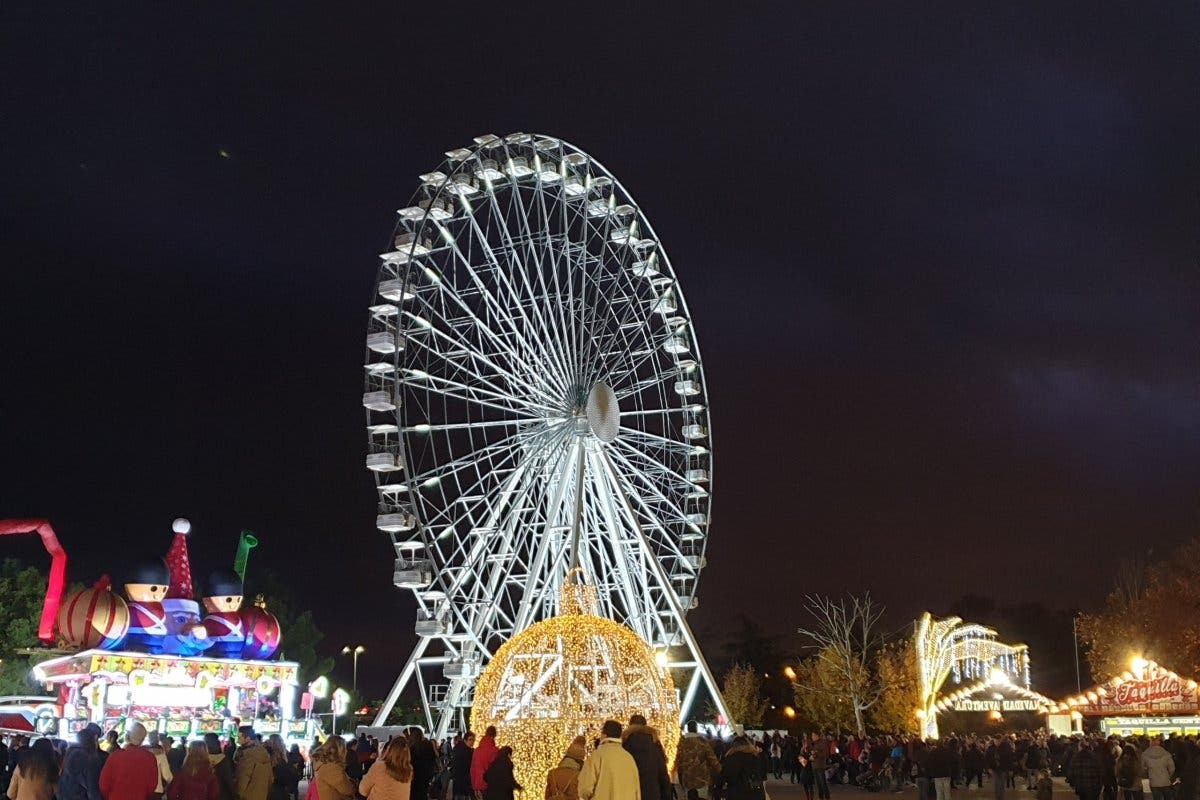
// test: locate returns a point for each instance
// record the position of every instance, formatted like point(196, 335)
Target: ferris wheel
point(534, 396)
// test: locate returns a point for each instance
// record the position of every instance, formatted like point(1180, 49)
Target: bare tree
point(843, 635)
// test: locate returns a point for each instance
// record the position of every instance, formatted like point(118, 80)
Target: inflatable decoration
point(58, 569)
point(261, 631)
point(147, 620)
point(223, 623)
point(94, 617)
point(185, 633)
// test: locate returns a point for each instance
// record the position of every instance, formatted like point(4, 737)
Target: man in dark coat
point(641, 742)
point(460, 766)
point(1086, 774)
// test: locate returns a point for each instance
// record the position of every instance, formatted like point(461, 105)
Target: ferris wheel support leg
point(406, 675)
point(664, 583)
point(689, 696)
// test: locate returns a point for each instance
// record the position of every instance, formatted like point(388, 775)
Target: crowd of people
point(621, 762)
point(147, 766)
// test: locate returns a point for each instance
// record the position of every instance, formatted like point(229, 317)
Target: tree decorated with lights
point(950, 648)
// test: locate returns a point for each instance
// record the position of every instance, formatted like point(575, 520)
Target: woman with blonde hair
point(329, 771)
point(391, 776)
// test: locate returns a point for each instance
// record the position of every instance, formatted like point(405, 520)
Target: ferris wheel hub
point(603, 412)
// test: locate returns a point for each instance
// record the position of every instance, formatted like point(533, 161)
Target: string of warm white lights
point(563, 677)
point(950, 646)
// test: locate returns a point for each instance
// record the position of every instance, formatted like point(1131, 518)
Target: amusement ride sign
point(1159, 692)
point(1003, 705)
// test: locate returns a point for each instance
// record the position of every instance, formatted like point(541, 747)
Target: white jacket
point(609, 773)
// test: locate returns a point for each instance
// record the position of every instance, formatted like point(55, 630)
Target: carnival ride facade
point(178, 665)
point(533, 380)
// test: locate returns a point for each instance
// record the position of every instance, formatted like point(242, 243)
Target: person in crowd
point(1159, 766)
point(609, 773)
point(642, 742)
point(353, 765)
point(252, 767)
point(696, 765)
point(285, 781)
point(501, 782)
point(742, 774)
point(819, 755)
point(80, 779)
point(222, 768)
point(1129, 773)
point(938, 769)
point(1003, 759)
point(176, 754)
point(329, 770)
point(482, 758)
point(562, 782)
point(460, 767)
point(973, 761)
point(36, 773)
point(296, 759)
point(154, 745)
point(391, 776)
point(806, 772)
point(1086, 773)
point(424, 761)
point(131, 772)
point(195, 779)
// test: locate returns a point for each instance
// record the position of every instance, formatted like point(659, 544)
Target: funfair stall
point(178, 665)
point(1147, 699)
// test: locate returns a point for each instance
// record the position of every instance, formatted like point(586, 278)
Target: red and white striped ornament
point(94, 617)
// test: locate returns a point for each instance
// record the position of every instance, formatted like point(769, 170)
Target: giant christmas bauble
point(563, 677)
point(262, 633)
point(94, 617)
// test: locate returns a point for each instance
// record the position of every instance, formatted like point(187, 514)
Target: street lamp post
point(357, 651)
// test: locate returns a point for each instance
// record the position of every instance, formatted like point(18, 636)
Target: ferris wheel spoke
point(601, 492)
point(542, 333)
point(466, 347)
point(649, 462)
point(466, 460)
point(446, 292)
point(633, 476)
point(556, 322)
point(498, 310)
point(671, 444)
point(500, 400)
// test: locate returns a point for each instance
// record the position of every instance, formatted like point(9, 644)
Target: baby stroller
point(868, 780)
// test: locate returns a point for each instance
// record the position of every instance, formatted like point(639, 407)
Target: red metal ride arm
point(58, 569)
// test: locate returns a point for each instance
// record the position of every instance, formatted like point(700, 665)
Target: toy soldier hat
point(223, 584)
point(150, 574)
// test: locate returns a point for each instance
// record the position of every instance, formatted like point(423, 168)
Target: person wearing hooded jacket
point(1160, 769)
point(642, 742)
point(562, 782)
point(80, 779)
point(252, 767)
point(741, 772)
point(696, 765)
point(221, 766)
point(482, 758)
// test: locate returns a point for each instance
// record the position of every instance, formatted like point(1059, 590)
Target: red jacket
point(129, 774)
point(485, 753)
point(201, 786)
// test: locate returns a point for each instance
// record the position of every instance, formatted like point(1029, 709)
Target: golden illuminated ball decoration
point(563, 677)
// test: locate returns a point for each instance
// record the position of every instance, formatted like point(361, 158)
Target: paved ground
point(782, 790)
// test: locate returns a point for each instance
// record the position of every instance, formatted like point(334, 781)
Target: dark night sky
point(941, 257)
